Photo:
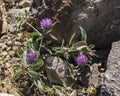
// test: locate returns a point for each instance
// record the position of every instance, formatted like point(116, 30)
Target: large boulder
point(100, 18)
point(111, 81)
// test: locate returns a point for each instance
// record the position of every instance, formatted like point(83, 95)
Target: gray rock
point(111, 81)
point(100, 19)
point(3, 46)
point(14, 16)
point(94, 79)
point(56, 70)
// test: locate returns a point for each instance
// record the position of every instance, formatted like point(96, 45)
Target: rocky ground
point(12, 40)
point(92, 16)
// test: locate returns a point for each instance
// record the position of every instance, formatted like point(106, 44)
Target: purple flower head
point(81, 59)
point(32, 56)
point(46, 23)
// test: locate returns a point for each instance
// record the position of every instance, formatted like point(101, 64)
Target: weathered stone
point(11, 53)
point(4, 37)
point(17, 43)
point(4, 53)
point(111, 81)
point(94, 79)
point(8, 49)
point(15, 48)
point(5, 94)
point(100, 19)
point(3, 46)
point(90, 78)
point(56, 70)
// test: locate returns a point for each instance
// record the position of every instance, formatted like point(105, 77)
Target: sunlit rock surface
point(111, 81)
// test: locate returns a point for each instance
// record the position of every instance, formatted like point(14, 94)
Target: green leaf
point(79, 43)
point(18, 74)
point(8, 1)
point(83, 34)
point(35, 34)
point(41, 85)
point(37, 66)
point(90, 67)
point(60, 88)
point(53, 37)
point(39, 38)
point(16, 65)
point(48, 50)
point(34, 74)
point(70, 41)
point(91, 46)
point(80, 48)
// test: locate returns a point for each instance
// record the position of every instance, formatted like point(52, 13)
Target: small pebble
point(9, 48)
point(15, 48)
point(99, 65)
point(5, 94)
point(9, 42)
point(1, 62)
point(5, 37)
point(102, 74)
point(11, 53)
point(102, 69)
point(4, 53)
point(4, 46)
point(17, 43)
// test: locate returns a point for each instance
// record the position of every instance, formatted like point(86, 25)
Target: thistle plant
point(76, 54)
point(32, 57)
point(81, 59)
point(46, 23)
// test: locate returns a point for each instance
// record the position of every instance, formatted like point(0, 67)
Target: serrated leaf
point(83, 34)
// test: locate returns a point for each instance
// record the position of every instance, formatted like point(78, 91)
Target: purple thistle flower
point(81, 59)
point(32, 57)
point(46, 23)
